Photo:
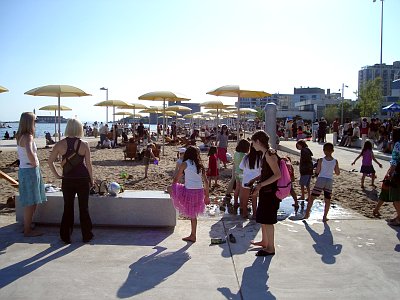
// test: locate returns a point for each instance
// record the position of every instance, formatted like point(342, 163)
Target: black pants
point(71, 187)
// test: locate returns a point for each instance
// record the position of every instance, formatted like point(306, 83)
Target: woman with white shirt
point(31, 187)
point(251, 166)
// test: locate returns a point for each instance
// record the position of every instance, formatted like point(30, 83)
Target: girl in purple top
point(366, 166)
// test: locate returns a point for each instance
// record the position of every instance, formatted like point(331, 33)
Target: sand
point(108, 164)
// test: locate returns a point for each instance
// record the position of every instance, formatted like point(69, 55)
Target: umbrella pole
point(59, 121)
point(133, 129)
point(107, 114)
point(163, 132)
point(55, 122)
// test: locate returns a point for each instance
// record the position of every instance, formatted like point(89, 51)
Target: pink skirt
point(221, 153)
point(189, 203)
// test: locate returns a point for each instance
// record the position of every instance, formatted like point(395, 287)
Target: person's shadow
point(324, 244)
point(153, 269)
point(20, 269)
point(254, 282)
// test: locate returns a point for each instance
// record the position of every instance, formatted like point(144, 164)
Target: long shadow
point(20, 269)
point(324, 244)
point(254, 282)
point(396, 228)
point(151, 270)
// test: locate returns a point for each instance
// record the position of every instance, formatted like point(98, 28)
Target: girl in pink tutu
point(190, 198)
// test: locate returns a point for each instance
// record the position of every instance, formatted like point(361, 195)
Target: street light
point(341, 113)
point(106, 89)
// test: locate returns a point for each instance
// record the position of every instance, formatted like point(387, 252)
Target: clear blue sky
point(134, 47)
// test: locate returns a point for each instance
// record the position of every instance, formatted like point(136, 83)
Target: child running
point(212, 171)
point(251, 166)
point(148, 154)
point(325, 168)
point(306, 168)
point(366, 166)
point(190, 198)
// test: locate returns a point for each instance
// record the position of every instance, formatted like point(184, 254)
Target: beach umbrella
point(214, 105)
point(152, 110)
point(164, 96)
point(394, 107)
point(57, 91)
point(133, 106)
point(3, 89)
point(54, 107)
point(113, 103)
point(235, 91)
point(123, 114)
point(178, 108)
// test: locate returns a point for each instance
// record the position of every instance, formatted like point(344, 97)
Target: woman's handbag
point(72, 161)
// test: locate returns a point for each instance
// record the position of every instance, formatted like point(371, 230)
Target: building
point(389, 74)
point(314, 101)
point(50, 119)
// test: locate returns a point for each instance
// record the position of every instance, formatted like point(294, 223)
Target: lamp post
point(105, 89)
point(341, 111)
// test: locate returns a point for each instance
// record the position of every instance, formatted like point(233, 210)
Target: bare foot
point(363, 187)
point(306, 216)
point(260, 243)
point(33, 233)
point(189, 239)
point(373, 185)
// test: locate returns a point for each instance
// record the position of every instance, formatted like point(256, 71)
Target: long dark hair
point(253, 157)
point(193, 154)
point(396, 135)
point(222, 131)
point(261, 136)
point(367, 146)
point(243, 146)
point(212, 151)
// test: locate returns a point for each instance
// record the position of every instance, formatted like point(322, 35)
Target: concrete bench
point(130, 208)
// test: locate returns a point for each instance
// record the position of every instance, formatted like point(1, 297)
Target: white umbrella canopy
point(54, 107)
point(58, 91)
point(165, 96)
point(236, 91)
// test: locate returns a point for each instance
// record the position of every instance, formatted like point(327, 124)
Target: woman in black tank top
point(76, 181)
point(268, 203)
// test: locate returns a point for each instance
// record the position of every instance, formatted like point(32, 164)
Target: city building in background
point(389, 74)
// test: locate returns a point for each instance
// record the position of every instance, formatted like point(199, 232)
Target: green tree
point(260, 114)
point(370, 97)
point(331, 112)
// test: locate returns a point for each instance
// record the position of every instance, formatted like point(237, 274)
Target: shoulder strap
point(77, 148)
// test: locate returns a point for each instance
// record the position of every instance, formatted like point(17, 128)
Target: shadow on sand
point(324, 244)
point(151, 270)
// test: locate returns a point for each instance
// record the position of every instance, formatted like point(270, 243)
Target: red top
point(212, 166)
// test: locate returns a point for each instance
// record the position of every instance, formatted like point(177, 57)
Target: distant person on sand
point(77, 178)
point(222, 143)
point(212, 170)
point(148, 156)
point(190, 198)
point(31, 187)
point(325, 168)
point(367, 169)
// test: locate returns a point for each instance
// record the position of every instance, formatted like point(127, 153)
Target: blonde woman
point(77, 178)
point(31, 187)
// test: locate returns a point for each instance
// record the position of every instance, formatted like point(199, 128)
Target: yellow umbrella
point(55, 107)
point(133, 106)
point(57, 91)
point(235, 91)
point(178, 108)
point(214, 104)
point(3, 89)
point(112, 103)
point(152, 109)
point(163, 96)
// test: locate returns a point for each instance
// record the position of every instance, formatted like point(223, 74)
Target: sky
point(133, 47)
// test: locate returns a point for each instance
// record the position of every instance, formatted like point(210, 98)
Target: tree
point(260, 114)
point(331, 113)
point(370, 97)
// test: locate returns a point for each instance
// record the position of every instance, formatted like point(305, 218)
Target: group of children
point(191, 196)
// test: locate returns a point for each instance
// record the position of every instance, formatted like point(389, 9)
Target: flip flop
point(262, 252)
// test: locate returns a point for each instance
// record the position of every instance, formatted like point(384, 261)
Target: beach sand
point(108, 164)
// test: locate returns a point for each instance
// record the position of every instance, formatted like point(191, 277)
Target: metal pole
point(107, 106)
point(59, 120)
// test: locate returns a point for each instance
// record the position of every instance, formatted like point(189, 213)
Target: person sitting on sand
point(107, 144)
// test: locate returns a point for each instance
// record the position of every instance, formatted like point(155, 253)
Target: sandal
point(262, 252)
point(232, 239)
point(376, 214)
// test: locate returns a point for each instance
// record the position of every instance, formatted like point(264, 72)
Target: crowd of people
point(255, 173)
